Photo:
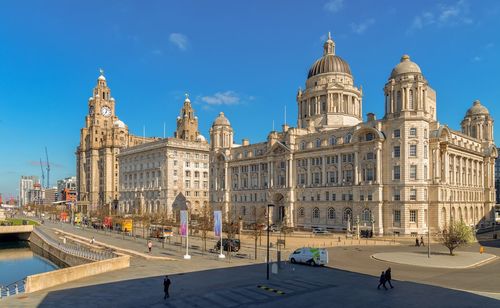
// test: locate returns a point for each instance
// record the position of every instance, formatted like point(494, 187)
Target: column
point(290, 172)
point(356, 169)
point(323, 171)
point(339, 169)
point(309, 179)
point(379, 165)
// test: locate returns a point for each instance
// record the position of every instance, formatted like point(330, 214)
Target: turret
point(478, 123)
point(221, 133)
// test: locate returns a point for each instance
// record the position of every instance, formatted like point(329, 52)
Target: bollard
point(8, 292)
point(17, 289)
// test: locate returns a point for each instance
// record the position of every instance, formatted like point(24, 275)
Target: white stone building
point(334, 170)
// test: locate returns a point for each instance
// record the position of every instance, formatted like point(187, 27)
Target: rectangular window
point(397, 195)
point(397, 173)
point(397, 216)
point(425, 172)
point(361, 197)
point(369, 174)
point(413, 195)
point(397, 133)
point(413, 150)
point(370, 197)
point(413, 215)
point(187, 184)
point(413, 172)
point(425, 151)
point(397, 151)
point(413, 132)
point(327, 195)
point(334, 197)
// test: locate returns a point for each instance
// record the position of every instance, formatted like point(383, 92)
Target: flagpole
point(187, 256)
point(221, 255)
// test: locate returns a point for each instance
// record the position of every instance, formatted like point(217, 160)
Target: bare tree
point(258, 226)
point(205, 224)
point(455, 235)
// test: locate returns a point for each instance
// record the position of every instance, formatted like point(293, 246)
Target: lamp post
point(428, 233)
point(269, 206)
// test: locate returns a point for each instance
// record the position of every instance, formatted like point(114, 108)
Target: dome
point(477, 109)
point(405, 66)
point(119, 124)
point(201, 138)
point(101, 77)
point(329, 63)
point(221, 120)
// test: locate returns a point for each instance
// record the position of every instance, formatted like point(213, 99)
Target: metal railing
point(75, 250)
point(13, 288)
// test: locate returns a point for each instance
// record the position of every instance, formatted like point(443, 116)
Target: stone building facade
point(167, 175)
point(102, 138)
point(335, 171)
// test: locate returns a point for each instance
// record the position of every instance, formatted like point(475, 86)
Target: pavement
point(459, 260)
point(350, 279)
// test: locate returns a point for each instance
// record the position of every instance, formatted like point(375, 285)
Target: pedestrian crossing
point(245, 295)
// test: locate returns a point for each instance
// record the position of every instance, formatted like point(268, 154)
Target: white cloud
point(179, 40)
point(444, 15)
point(334, 6)
point(222, 98)
point(361, 27)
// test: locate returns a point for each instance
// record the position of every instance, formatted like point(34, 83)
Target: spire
point(101, 74)
point(329, 46)
point(187, 100)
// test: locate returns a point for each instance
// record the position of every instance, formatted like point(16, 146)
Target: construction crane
point(48, 168)
point(43, 173)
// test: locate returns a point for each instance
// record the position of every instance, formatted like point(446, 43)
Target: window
point(347, 215)
point(413, 132)
point(318, 143)
point(187, 184)
point(425, 172)
point(425, 151)
point(327, 195)
point(397, 173)
point(413, 172)
point(187, 164)
point(361, 197)
point(347, 138)
point(331, 213)
point(397, 216)
point(333, 141)
point(175, 162)
point(369, 137)
point(334, 197)
point(425, 133)
point(397, 151)
point(366, 215)
point(369, 155)
point(413, 150)
point(301, 212)
point(370, 197)
point(398, 101)
point(397, 133)
point(413, 215)
point(302, 145)
point(413, 194)
point(315, 213)
point(410, 100)
point(369, 174)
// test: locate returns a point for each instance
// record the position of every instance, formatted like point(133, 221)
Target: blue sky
point(246, 58)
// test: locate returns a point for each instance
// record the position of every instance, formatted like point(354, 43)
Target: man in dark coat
point(382, 281)
point(388, 276)
point(166, 285)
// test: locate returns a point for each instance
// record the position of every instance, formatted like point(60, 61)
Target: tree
point(258, 226)
point(205, 224)
point(455, 235)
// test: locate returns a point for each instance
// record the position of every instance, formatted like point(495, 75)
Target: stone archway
point(279, 203)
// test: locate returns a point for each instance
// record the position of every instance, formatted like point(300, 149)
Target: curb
point(477, 264)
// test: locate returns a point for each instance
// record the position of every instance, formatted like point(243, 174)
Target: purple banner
point(184, 222)
point(217, 223)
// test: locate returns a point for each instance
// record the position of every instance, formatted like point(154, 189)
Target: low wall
point(15, 233)
point(46, 280)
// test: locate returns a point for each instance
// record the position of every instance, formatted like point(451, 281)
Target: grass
point(19, 222)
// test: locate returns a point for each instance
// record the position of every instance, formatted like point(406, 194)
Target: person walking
point(166, 285)
point(422, 241)
point(92, 241)
point(388, 277)
point(417, 243)
point(381, 281)
point(150, 245)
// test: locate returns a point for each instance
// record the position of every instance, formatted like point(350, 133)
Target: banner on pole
point(217, 223)
point(184, 222)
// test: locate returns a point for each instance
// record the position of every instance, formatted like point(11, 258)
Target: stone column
point(339, 169)
point(379, 165)
point(323, 171)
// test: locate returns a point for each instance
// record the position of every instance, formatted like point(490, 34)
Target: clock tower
point(100, 141)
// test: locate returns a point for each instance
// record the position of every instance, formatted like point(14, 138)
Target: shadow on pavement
point(303, 286)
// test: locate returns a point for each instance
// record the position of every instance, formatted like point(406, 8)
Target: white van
point(311, 256)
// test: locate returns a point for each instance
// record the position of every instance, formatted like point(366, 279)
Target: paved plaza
point(350, 279)
point(462, 259)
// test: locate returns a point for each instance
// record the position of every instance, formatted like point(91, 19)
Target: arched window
point(369, 137)
point(331, 213)
point(333, 140)
point(243, 210)
point(398, 101)
point(315, 213)
point(301, 212)
point(366, 215)
point(303, 145)
point(318, 143)
point(410, 100)
point(347, 138)
point(347, 216)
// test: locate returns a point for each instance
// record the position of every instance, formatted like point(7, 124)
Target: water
point(18, 261)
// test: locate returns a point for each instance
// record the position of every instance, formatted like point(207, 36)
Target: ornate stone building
point(165, 176)
point(335, 171)
point(102, 138)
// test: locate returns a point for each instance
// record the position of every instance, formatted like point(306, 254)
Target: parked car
point(311, 256)
point(272, 228)
point(227, 243)
point(320, 231)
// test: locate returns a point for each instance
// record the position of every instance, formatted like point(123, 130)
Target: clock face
point(106, 111)
point(91, 110)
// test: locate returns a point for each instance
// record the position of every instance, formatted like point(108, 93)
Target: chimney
point(370, 116)
point(245, 142)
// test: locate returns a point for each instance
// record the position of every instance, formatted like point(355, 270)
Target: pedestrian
point(388, 277)
point(92, 241)
point(382, 281)
point(150, 245)
point(422, 241)
point(417, 243)
point(166, 285)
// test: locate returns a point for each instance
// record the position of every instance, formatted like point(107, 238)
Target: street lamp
point(269, 206)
